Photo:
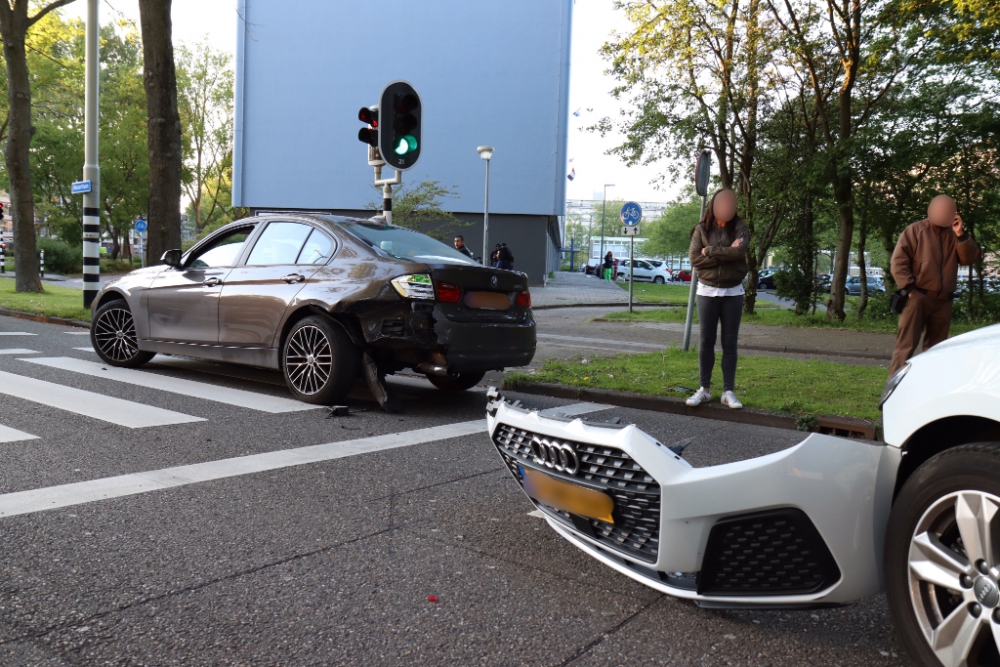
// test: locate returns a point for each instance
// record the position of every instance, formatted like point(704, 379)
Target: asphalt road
point(294, 539)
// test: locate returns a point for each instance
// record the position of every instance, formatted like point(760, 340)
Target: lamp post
point(604, 209)
point(91, 162)
point(486, 152)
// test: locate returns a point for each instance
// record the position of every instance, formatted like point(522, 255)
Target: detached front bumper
point(801, 527)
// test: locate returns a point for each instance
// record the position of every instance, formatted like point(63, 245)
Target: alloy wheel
point(308, 360)
point(114, 333)
point(953, 578)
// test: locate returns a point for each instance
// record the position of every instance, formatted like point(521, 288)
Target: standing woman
point(718, 251)
point(609, 266)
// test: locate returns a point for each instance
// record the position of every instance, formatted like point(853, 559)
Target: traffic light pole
point(91, 163)
point(689, 318)
point(387, 191)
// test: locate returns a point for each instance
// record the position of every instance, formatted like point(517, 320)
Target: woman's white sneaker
point(699, 397)
point(729, 400)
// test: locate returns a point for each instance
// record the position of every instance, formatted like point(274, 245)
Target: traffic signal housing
point(368, 135)
point(399, 131)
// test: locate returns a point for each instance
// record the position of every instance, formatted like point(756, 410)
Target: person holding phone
point(718, 252)
point(925, 266)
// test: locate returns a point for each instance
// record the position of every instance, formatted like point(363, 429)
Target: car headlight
point(414, 286)
point(891, 385)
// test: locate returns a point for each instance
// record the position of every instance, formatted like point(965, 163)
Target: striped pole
point(91, 166)
point(3, 257)
point(41, 261)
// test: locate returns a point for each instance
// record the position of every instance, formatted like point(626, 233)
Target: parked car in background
point(591, 267)
point(828, 521)
point(853, 286)
point(683, 276)
point(315, 296)
point(645, 271)
point(823, 281)
point(765, 279)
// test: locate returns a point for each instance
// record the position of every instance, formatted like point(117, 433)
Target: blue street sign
point(80, 187)
point(140, 226)
point(631, 214)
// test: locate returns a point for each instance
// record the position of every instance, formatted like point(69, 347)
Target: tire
point(112, 334)
point(659, 280)
point(319, 361)
point(456, 383)
point(924, 542)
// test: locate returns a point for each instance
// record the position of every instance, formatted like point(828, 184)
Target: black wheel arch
point(938, 436)
point(110, 295)
point(347, 322)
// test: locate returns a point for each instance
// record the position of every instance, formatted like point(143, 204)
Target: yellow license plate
point(568, 497)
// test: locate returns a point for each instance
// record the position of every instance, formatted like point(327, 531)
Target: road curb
point(48, 319)
point(627, 399)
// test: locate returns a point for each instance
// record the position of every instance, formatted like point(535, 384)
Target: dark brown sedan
point(315, 295)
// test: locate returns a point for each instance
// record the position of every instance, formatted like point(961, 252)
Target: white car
point(645, 271)
point(827, 522)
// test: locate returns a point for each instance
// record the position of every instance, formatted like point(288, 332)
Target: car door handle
point(292, 278)
point(212, 282)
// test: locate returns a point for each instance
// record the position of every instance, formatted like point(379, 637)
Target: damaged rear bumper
point(801, 527)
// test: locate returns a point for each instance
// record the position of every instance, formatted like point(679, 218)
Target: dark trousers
point(921, 314)
point(712, 310)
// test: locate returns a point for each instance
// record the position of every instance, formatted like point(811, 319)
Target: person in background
point(614, 272)
point(505, 258)
point(718, 252)
point(609, 265)
point(461, 247)
point(925, 266)
point(495, 256)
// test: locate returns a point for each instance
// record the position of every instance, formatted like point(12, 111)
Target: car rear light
point(448, 293)
point(523, 299)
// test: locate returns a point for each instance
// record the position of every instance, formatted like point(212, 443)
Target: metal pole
point(387, 202)
point(694, 288)
point(604, 209)
point(3, 258)
point(486, 219)
point(41, 262)
point(631, 269)
point(572, 253)
point(91, 166)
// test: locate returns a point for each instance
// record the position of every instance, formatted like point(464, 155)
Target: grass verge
point(784, 318)
point(54, 301)
point(791, 386)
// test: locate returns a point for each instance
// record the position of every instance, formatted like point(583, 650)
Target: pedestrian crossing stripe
point(17, 350)
point(203, 390)
point(8, 434)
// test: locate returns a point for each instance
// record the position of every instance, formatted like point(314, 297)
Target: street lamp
point(486, 152)
point(604, 210)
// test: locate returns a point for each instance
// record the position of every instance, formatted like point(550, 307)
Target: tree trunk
point(164, 128)
point(14, 24)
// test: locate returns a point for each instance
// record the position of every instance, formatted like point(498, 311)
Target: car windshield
point(404, 243)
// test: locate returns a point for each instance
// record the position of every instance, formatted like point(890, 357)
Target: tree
point(420, 208)
point(205, 102)
point(14, 26)
point(670, 233)
point(164, 128)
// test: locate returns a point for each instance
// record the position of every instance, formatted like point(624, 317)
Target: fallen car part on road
point(801, 527)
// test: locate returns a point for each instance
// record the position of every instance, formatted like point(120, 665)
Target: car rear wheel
point(942, 559)
point(112, 333)
point(459, 382)
point(659, 280)
point(319, 361)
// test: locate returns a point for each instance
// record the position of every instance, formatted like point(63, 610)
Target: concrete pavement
point(332, 561)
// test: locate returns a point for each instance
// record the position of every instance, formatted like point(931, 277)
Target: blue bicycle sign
point(631, 214)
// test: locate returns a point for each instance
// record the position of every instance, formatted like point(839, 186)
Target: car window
point(317, 249)
point(279, 244)
point(642, 265)
point(224, 251)
point(404, 243)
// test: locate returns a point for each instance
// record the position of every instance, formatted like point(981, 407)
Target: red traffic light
point(369, 116)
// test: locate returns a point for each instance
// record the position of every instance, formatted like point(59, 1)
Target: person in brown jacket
point(925, 266)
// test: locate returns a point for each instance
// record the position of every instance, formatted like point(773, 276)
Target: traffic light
point(399, 133)
point(368, 135)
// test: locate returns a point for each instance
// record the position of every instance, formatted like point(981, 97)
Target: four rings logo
point(560, 456)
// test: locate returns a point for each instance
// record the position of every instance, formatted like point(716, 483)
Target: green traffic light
point(405, 145)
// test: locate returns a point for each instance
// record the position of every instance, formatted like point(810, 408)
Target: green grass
point(653, 293)
point(801, 388)
point(54, 301)
point(785, 318)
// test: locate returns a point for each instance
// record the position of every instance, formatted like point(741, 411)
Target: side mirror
point(172, 258)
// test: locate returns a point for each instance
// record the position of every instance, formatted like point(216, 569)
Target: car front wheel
point(942, 559)
point(319, 361)
point(112, 333)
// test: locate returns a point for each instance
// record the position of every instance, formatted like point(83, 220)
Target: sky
point(593, 21)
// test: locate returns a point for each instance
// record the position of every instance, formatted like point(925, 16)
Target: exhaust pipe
point(428, 368)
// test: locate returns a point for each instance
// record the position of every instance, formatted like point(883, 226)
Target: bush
point(118, 265)
point(60, 257)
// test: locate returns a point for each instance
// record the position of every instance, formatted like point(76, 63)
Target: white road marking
point(79, 493)
point(16, 333)
point(77, 333)
point(86, 403)
point(85, 349)
point(202, 390)
point(17, 350)
point(8, 434)
point(537, 514)
point(602, 341)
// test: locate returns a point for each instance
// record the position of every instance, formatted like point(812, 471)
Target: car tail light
point(448, 293)
point(524, 299)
